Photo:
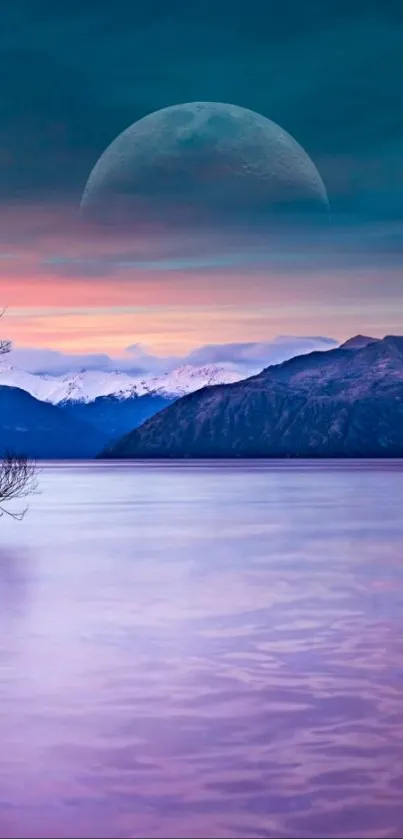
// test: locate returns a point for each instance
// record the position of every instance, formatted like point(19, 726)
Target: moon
point(203, 162)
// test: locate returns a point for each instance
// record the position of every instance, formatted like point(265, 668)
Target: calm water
point(191, 650)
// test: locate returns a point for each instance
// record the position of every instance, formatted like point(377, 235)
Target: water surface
point(204, 649)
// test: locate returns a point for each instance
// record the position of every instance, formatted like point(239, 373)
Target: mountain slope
point(357, 342)
point(40, 430)
point(186, 379)
point(330, 404)
point(113, 403)
point(113, 416)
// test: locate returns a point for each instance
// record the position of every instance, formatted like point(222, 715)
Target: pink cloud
point(68, 286)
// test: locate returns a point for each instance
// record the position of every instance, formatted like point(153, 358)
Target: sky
point(74, 75)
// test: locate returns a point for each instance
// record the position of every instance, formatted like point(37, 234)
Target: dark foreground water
point(204, 650)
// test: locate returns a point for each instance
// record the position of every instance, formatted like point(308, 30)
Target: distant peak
point(358, 342)
point(393, 339)
point(394, 342)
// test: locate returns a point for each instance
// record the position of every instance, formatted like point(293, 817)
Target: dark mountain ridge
point(336, 403)
point(112, 416)
point(357, 342)
point(43, 431)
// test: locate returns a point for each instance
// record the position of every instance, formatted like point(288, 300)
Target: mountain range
point(87, 385)
point(344, 402)
point(77, 415)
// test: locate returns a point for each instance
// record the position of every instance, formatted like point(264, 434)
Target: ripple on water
point(164, 672)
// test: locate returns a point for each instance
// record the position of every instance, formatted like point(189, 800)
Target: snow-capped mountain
point(87, 385)
point(181, 381)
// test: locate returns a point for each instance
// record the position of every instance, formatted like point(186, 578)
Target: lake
point(204, 649)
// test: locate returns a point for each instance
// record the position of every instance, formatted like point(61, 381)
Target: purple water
point(204, 650)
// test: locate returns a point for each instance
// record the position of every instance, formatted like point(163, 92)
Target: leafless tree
point(5, 346)
point(18, 479)
point(18, 474)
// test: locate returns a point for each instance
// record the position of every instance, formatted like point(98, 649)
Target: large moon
point(203, 162)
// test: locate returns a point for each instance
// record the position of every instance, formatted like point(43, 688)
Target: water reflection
point(195, 649)
point(15, 582)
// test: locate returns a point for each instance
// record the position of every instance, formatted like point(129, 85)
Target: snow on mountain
point(87, 385)
point(38, 386)
point(186, 380)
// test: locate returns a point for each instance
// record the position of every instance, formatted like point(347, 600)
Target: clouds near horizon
point(248, 357)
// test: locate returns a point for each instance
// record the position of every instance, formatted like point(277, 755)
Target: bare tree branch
point(17, 473)
point(18, 479)
point(5, 346)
